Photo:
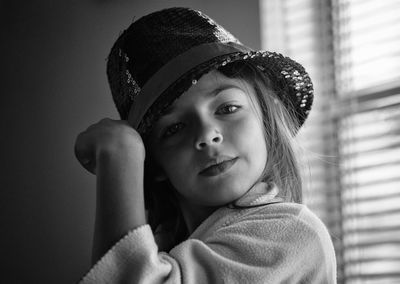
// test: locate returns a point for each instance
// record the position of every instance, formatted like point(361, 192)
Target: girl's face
point(210, 144)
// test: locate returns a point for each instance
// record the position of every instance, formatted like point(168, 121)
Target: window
point(351, 49)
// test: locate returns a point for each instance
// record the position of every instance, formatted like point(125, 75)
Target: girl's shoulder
point(291, 225)
point(279, 235)
point(285, 213)
point(282, 218)
point(270, 219)
point(287, 217)
point(262, 209)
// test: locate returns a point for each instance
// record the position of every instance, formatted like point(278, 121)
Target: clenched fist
point(108, 137)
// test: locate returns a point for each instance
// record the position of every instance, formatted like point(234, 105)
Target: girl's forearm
point(119, 201)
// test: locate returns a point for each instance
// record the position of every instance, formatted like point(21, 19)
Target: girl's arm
point(115, 153)
point(120, 201)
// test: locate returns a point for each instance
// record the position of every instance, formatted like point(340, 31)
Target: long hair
point(281, 168)
point(280, 127)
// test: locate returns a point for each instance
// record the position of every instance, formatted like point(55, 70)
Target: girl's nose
point(208, 137)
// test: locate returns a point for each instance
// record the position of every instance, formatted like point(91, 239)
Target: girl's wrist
point(121, 151)
point(122, 164)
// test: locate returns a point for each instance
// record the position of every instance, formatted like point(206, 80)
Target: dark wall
point(53, 86)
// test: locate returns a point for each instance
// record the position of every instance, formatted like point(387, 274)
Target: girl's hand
point(108, 137)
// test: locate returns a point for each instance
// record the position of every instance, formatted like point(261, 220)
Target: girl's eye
point(227, 109)
point(172, 129)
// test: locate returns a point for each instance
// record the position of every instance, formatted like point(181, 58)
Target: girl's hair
point(281, 169)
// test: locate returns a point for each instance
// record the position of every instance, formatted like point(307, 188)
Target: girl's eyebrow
point(214, 93)
point(224, 87)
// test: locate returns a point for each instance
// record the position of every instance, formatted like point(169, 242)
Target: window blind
point(367, 33)
point(367, 60)
point(351, 49)
point(370, 174)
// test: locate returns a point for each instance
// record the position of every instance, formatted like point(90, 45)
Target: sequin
point(294, 77)
point(133, 89)
point(219, 32)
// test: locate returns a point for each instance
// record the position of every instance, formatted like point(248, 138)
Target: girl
point(198, 183)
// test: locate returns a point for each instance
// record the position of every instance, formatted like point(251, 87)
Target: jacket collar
point(260, 194)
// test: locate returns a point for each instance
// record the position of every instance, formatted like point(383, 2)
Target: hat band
point(174, 70)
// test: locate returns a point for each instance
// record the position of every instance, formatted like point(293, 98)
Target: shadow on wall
point(54, 87)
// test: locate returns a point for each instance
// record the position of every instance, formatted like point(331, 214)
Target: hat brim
point(178, 76)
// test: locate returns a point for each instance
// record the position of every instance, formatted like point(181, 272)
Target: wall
point(53, 86)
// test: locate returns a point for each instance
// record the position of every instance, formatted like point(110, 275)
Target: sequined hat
point(162, 54)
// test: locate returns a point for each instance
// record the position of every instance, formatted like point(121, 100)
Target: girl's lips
point(218, 168)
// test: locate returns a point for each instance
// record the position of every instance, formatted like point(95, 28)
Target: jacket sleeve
point(254, 249)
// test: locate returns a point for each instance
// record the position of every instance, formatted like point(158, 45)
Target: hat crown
point(155, 39)
point(159, 56)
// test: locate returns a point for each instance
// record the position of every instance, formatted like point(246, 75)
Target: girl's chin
point(226, 183)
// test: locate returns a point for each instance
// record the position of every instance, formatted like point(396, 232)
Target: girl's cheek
point(242, 124)
point(248, 129)
point(174, 155)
